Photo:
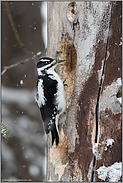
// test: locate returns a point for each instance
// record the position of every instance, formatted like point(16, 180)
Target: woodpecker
point(50, 95)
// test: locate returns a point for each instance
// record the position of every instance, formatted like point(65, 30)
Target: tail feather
point(55, 135)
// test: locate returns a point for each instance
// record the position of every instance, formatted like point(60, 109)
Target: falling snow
point(34, 170)
point(21, 82)
point(24, 102)
point(39, 53)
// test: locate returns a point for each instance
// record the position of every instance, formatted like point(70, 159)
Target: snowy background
point(24, 156)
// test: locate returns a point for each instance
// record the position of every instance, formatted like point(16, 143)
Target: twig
point(19, 42)
point(3, 71)
point(14, 65)
point(22, 62)
point(15, 30)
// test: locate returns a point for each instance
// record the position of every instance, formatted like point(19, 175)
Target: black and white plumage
point(50, 95)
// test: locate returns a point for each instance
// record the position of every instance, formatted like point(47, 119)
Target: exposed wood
point(83, 34)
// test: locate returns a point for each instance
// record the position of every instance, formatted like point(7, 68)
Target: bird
point(50, 95)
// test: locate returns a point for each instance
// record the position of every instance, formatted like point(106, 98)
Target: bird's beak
point(54, 62)
point(59, 61)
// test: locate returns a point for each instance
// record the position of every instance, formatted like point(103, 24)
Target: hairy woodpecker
point(50, 95)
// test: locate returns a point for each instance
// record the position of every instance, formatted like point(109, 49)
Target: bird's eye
point(47, 62)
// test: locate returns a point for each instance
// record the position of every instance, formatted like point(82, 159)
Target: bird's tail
point(55, 135)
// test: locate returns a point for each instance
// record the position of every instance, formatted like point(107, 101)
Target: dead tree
point(88, 36)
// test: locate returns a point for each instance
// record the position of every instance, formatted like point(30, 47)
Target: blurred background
point(24, 154)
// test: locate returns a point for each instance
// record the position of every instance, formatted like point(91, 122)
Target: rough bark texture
point(88, 36)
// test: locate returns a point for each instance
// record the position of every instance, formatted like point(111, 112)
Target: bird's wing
point(48, 109)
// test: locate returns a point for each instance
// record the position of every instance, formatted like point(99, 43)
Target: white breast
point(41, 98)
point(60, 100)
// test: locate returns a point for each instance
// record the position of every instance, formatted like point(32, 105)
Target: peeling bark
point(110, 116)
point(83, 33)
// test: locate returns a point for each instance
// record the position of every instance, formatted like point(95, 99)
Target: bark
point(88, 36)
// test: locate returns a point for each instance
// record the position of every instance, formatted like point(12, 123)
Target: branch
point(15, 30)
point(14, 65)
point(39, 54)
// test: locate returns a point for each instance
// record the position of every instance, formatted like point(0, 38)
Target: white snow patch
point(120, 100)
point(102, 172)
point(107, 99)
point(95, 149)
point(119, 82)
point(109, 143)
point(120, 41)
point(112, 173)
point(100, 71)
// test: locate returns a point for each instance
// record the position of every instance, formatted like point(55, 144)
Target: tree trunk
point(88, 36)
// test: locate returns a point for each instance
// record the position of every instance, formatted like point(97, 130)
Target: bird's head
point(45, 63)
